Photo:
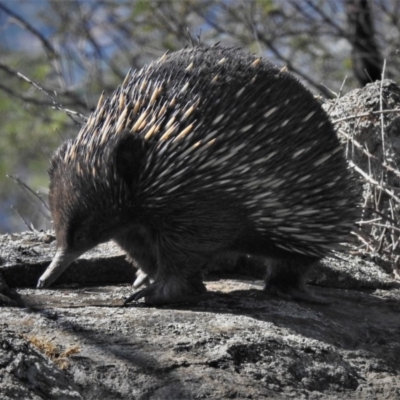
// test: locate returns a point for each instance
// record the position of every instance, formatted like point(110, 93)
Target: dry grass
point(372, 155)
point(52, 351)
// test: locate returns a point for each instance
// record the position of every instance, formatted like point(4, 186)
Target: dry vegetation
point(368, 120)
point(54, 352)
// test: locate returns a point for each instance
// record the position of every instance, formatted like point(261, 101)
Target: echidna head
point(91, 202)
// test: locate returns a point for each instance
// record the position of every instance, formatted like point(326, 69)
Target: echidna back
point(225, 123)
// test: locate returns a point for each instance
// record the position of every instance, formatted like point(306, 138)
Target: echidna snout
point(204, 151)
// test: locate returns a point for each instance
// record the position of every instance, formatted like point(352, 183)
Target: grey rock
point(235, 342)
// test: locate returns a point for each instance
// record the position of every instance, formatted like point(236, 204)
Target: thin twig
point(56, 104)
point(373, 181)
point(367, 153)
point(29, 226)
point(338, 95)
point(381, 109)
point(387, 226)
point(26, 187)
point(368, 222)
point(366, 114)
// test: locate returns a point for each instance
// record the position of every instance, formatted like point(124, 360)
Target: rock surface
point(235, 342)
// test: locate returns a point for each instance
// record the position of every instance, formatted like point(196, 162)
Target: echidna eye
point(79, 237)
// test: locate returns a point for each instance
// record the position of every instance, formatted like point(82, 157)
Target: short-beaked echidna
point(206, 150)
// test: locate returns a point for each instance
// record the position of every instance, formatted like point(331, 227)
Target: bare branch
point(28, 225)
point(28, 189)
point(25, 24)
point(366, 114)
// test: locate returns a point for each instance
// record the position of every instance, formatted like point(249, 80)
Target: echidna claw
point(135, 296)
point(169, 291)
point(141, 279)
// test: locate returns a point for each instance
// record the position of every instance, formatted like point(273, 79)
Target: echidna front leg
point(178, 278)
point(140, 252)
point(286, 278)
point(183, 241)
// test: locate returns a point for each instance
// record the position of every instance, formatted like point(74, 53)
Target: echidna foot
point(170, 291)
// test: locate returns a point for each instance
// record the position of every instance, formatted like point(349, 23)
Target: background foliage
point(74, 50)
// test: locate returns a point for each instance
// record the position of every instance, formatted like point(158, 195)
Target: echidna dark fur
point(204, 151)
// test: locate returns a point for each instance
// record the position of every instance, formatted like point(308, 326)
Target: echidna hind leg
point(286, 278)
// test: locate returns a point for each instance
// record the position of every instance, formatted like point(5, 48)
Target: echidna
point(206, 150)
